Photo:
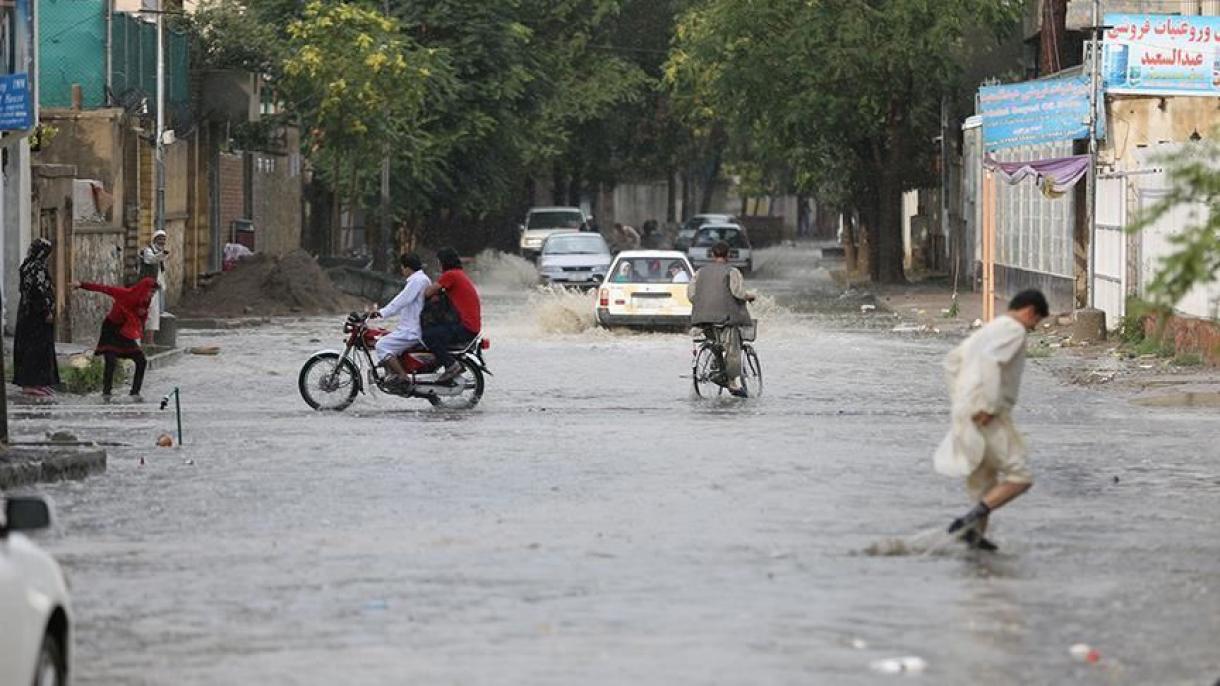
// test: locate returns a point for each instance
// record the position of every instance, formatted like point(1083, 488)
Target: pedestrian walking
point(983, 445)
point(35, 369)
point(626, 237)
point(122, 328)
point(152, 266)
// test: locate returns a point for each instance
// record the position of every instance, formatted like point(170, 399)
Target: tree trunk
point(354, 201)
point(849, 242)
point(709, 183)
point(886, 244)
point(671, 196)
point(558, 187)
point(335, 235)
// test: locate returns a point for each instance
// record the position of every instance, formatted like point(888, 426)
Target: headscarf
point(37, 288)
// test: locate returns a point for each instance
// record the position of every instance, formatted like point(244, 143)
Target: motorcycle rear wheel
point(471, 380)
point(329, 382)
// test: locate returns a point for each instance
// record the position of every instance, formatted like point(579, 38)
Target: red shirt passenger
point(443, 337)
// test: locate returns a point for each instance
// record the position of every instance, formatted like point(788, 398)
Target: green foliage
point(88, 378)
point(1194, 182)
point(1187, 360)
point(839, 95)
point(1153, 345)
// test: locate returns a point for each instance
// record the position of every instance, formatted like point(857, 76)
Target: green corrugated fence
point(73, 50)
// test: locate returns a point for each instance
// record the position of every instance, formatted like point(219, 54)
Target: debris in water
point(1085, 653)
point(899, 665)
point(165, 441)
point(868, 308)
point(859, 644)
point(60, 437)
point(205, 350)
point(976, 323)
point(188, 462)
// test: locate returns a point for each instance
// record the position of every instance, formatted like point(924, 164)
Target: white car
point(35, 616)
point(574, 259)
point(646, 288)
point(542, 222)
point(708, 235)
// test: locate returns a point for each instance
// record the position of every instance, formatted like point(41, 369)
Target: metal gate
point(1110, 254)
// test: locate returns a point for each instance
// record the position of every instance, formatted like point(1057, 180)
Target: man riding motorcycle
point(464, 298)
point(718, 298)
point(408, 305)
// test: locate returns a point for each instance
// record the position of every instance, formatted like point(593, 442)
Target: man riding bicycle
point(718, 297)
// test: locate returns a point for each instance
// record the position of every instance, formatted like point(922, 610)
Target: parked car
point(646, 288)
point(36, 633)
point(740, 254)
point(574, 259)
point(542, 222)
point(686, 233)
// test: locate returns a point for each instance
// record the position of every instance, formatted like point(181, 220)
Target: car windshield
point(650, 270)
point(690, 226)
point(554, 219)
point(576, 244)
point(709, 237)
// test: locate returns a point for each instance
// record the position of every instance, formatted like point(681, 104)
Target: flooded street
point(590, 523)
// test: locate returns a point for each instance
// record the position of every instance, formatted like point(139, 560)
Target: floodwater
point(590, 523)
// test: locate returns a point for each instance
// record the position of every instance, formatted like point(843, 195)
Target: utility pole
point(1091, 188)
point(159, 211)
point(383, 242)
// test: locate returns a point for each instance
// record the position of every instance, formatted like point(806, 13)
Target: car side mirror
point(26, 513)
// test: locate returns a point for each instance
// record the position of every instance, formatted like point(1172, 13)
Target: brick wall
point(232, 194)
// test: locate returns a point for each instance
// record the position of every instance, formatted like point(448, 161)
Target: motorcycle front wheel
point(329, 382)
point(470, 389)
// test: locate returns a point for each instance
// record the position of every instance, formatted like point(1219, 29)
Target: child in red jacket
point(122, 329)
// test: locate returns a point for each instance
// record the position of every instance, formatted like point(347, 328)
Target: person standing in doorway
point(464, 298)
point(983, 445)
point(152, 266)
point(121, 330)
point(35, 369)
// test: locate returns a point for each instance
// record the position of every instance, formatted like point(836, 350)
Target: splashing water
point(499, 271)
point(931, 541)
point(562, 311)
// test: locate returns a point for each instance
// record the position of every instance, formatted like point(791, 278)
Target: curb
point(220, 323)
point(165, 358)
point(24, 466)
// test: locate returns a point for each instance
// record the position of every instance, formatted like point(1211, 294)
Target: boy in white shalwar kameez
point(983, 445)
point(408, 305)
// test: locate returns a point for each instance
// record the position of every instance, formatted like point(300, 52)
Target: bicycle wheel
point(328, 382)
point(751, 371)
point(704, 372)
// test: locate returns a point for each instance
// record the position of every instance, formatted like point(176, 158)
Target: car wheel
point(52, 668)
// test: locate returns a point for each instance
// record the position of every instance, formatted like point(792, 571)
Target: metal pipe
point(1091, 188)
point(106, 97)
point(160, 148)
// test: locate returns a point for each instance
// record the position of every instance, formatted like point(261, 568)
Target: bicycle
point(707, 368)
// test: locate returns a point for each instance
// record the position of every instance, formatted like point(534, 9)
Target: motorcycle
point(330, 380)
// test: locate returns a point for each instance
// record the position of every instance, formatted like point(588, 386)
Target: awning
point(1055, 176)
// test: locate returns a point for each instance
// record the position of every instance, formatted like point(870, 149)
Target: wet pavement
point(590, 523)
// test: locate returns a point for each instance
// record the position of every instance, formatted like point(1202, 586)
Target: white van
point(542, 222)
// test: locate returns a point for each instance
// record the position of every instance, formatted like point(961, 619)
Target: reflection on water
point(589, 524)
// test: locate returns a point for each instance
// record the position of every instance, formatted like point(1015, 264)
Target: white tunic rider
point(408, 305)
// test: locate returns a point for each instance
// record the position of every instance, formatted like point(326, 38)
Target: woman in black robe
point(34, 366)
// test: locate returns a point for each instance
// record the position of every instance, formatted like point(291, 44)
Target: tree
point(844, 94)
point(1194, 180)
point(358, 86)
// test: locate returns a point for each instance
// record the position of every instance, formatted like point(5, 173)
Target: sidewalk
point(21, 465)
point(1150, 379)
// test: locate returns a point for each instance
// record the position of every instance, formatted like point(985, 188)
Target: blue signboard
point(1148, 54)
point(16, 107)
point(1035, 112)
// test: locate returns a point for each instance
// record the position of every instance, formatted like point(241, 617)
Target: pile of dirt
point(263, 285)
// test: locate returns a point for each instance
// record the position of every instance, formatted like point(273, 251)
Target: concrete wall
point(276, 198)
point(97, 256)
point(92, 141)
point(1143, 130)
point(15, 211)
